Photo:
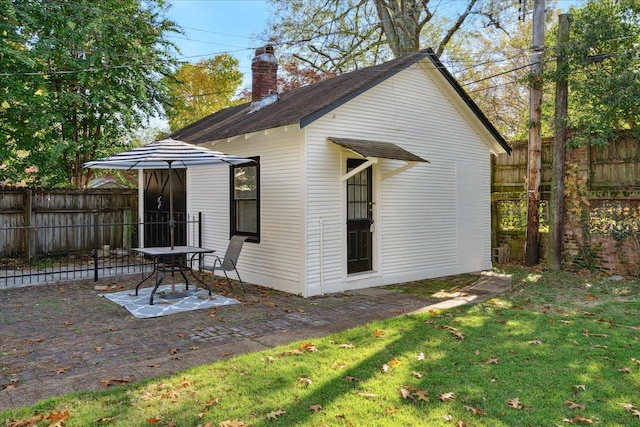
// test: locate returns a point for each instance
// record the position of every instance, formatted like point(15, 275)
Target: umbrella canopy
point(166, 154)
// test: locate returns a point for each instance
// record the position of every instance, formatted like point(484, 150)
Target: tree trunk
point(556, 223)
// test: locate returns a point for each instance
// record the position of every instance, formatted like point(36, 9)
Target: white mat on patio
point(192, 300)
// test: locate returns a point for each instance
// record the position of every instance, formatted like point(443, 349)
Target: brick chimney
point(264, 71)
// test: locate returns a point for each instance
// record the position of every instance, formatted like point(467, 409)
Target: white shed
point(373, 177)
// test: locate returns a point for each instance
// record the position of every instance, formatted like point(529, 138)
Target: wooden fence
point(31, 219)
point(602, 212)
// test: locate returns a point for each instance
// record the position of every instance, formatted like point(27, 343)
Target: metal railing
point(69, 251)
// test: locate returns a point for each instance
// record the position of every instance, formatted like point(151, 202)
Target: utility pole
point(556, 222)
point(535, 135)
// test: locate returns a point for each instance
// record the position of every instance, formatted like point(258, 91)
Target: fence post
point(199, 229)
point(96, 236)
point(126, 232)
point(29, 247)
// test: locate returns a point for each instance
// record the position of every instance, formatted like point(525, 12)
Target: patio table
point(176, 255)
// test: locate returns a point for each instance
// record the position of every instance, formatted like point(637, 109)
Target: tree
point(340, 35)
point(604, 79)
point(296, 75)
point(81, 75)
point(197, 90)
point(493, 69)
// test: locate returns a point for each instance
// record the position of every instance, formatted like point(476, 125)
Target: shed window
point(245, 200)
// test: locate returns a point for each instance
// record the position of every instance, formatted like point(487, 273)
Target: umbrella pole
point(172, 223)
point(172, 226)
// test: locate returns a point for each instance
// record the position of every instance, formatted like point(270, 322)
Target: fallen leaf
point(628, 407)
point(416, 374)
point(420, 356)
point(346, 346)
point(461, 423)
point(305, 380)
point(33, 340)
point(586, 333)
point(599, 346)
point(194, 348)
point(577, 388)
point(395, 362)
point(211, 402)
point(234, 423)
point(154, 420)
point(635, 413)
point(367, 395)
point(294, 351)
point(421, 395)
point(573, 405)
point(455, 332)
point(384, 368)
point(475, 410)
point(378, 334)
point(67, 323)
point(98, 349)
point(351, 379)
point(577, 418)
point(536, 342)
point(446, 397)
point(492, 360)
point(515, 403)
point(60, 415)
point(27, 422)
point(61, 371)
point(105, 419)
point(111, 381)
point(174, 350)
point(308, 347)
point(477, 352)
point(154, 365)
point(406, 393)
point(273, 415)
point(390, 410)
point(624, 370)
point(315, 408)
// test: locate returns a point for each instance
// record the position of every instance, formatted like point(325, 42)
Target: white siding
point(431, 220)
point(276, 261)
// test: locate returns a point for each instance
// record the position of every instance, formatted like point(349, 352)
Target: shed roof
point(308, 103)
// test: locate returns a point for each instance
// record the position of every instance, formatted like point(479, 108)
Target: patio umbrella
point(166, 154)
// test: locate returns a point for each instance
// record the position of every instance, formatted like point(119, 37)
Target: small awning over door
point(374, 150)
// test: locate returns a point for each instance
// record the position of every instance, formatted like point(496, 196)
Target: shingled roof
point(306, 104)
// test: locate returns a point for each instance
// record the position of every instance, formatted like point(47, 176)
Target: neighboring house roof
point(306, 104)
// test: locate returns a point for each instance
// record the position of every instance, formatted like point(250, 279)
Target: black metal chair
point(230, 260)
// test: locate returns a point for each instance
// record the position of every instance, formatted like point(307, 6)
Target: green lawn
point(559, 349)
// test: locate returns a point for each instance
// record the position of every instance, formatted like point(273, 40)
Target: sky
point(212, 27)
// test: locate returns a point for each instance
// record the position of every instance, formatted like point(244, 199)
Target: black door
point(156, 207)
point(359, 219)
